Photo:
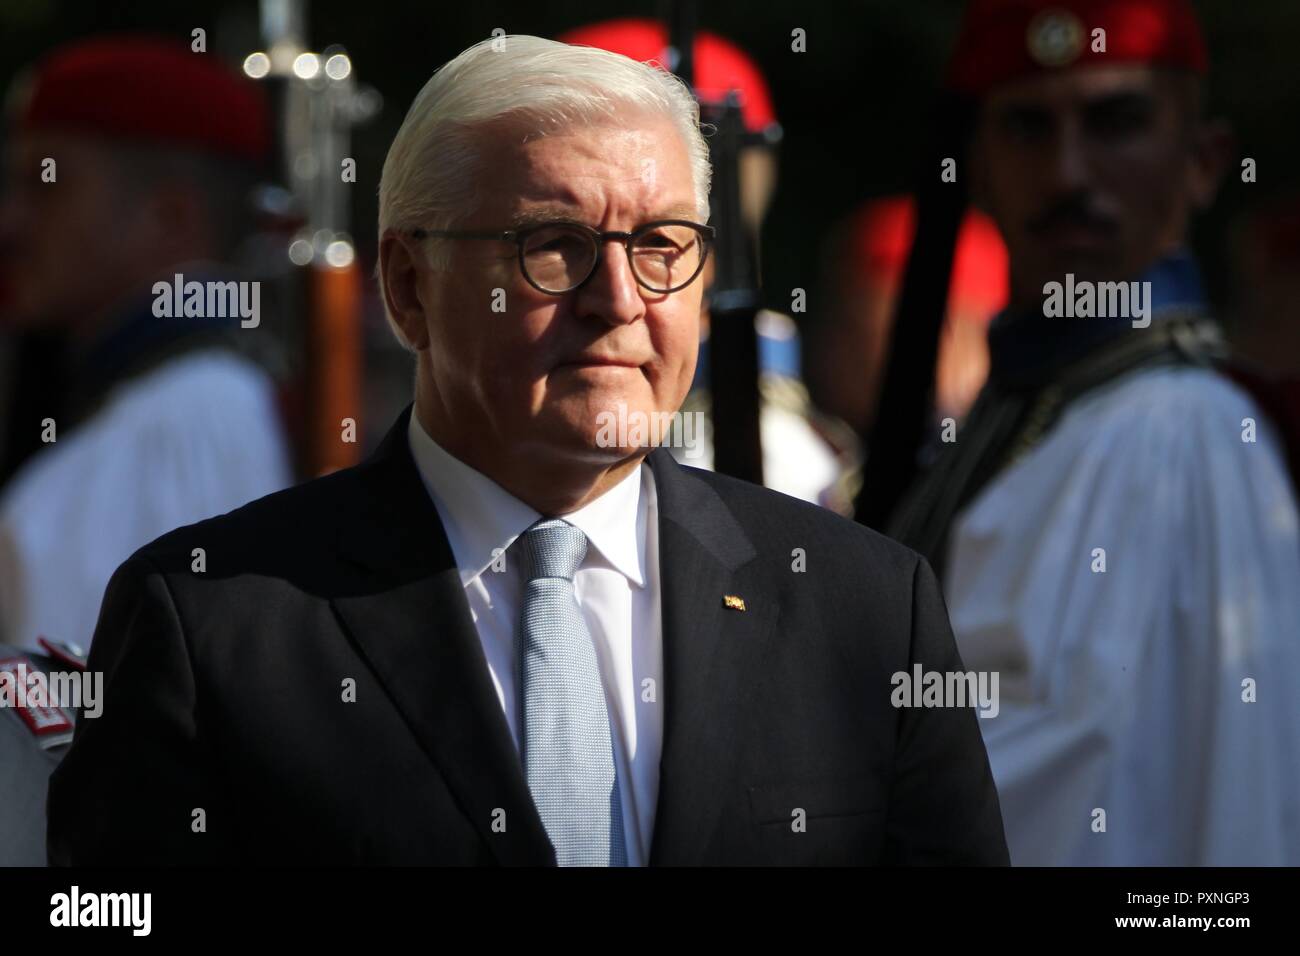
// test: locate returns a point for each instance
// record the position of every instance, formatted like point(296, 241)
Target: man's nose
point(1071, 169)
point(612, 292)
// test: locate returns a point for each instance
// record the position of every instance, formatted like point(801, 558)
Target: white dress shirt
point(617, 587)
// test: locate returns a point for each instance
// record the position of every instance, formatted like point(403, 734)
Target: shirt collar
point(615, 525)
point(480, 516)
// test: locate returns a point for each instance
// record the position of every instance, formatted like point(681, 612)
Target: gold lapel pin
point(734, 601)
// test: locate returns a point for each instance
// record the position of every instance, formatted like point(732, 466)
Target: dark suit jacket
point(224, 693)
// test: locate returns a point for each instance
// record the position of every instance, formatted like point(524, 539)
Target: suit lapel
point(710, 652)
point(412, 624)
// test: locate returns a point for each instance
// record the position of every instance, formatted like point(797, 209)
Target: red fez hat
point(720, 66)
point(147, 89)
point(1004, 40)
point(883, 231)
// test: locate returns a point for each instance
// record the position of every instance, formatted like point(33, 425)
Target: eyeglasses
point(558, 257)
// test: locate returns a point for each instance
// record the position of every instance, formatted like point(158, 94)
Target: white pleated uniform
point(1122, 691)
point(197, 436)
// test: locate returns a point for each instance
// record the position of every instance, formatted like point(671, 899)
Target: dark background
point(853, 106)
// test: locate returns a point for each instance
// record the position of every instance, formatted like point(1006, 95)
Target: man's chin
point(605, 434)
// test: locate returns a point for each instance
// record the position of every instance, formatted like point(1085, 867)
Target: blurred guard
point(32, 742)
point(129, 161)
point(806, 454)
point(1120, 538)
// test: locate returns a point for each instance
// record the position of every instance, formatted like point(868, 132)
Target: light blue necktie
point(568, 753)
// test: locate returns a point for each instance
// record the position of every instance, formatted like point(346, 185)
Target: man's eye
point(1119, 120)
point(552, 245)
point(1025, 125)
point(670, 239)
point(555, 244)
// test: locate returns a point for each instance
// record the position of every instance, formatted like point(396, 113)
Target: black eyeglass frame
point(519, 236)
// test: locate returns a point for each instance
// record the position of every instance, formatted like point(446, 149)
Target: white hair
point(428, 176)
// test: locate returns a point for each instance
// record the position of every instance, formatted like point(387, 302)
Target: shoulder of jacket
point(294, 520)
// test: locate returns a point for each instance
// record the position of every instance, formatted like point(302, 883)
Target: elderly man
point(1118, 533)
point(507, 638)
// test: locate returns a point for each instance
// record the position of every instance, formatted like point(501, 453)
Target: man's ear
point(401, 264)
point(1213, 150)
point(178, 220)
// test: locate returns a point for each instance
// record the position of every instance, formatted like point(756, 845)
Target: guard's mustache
point(1075, 212)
